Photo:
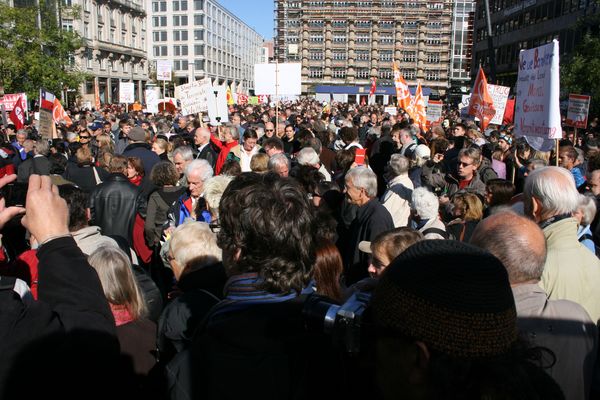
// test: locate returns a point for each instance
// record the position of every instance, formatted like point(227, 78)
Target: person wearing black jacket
point(65, 343)
point(115, 202)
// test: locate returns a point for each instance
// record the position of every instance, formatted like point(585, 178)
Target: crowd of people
point(301, 251)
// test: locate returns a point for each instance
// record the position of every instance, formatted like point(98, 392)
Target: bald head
point(201, 136)
point(549, 191)
point(515, 240)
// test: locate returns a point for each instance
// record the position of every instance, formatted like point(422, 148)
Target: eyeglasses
point(269, 130)
point(84, 137)
point(464, 164)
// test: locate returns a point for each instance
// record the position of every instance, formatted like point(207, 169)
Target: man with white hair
point(571, 271)
point(196, 173)
point(371, 219)
point(182, 157)
point(308, 156)
point(425, 214)
point(398, 195)
point(280, 164)
point(205, 150)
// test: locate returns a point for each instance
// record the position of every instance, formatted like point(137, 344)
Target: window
point(315, 55)
point(89, 58)
point(339, 24)
point(432, 75)
point(386, 25)
point(386, 55)
point(409, 73)
point(433, 57)
point(159, 21)
point(180, 50)
point(315, 72)
point(385, 73)
point(180, 20)
point(199, 49)
point(339, 55)
point(198, 19)
point(67, 25)
point(67, 3)
point(410, 25)
point(159, 6)
point(363, 38)
point(199, 34)
point(86, 30)
point(409, 56)
point(103, 63)
point(409, 39)
point(434, 25)
point(199, 65)
point(362, 73)
point(180, 36)
point(339, 38)
point(159, 36)
point(434, 39)
point(339, 73)
point(316, 38)
point(316, 23)
point(386, 38)
point(180, 65)
point(363, 24)
point(198, 5)
point(362, 55)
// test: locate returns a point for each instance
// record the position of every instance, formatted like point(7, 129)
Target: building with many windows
point(346, 43)
point(203, 39)
point(518, 24)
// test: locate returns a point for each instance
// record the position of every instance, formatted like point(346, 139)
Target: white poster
point(391, 110)
point(152, 96)
point(193, 96)
point(537, 109)
point(278, 79)
point(164, 70)
point(577, 112)
point(126, 92)
point(434, 110)
point(217, 105)
point(499, 96)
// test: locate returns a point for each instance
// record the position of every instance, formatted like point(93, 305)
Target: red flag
point(373, 86)
point(17, 115)
point(418, 108)
point(402, 92)
point(509, 112)
point(59, 114)
point(481, 104)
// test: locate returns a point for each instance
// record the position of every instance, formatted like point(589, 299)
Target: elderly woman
point(585, 213)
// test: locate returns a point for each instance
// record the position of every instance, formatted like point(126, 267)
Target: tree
point(32, 57)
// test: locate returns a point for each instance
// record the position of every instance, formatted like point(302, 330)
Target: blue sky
point(256, 13)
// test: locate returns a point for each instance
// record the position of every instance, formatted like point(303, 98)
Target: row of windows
point(177, 5)
point(365, 73)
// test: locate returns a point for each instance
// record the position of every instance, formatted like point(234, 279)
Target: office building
point(203, 39)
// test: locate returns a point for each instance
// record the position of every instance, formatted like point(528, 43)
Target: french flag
point(46, 100)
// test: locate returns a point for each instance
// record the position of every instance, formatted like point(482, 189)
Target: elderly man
point(371, 219)
point(562, 326)
point(228, 139)
point(398, 195)
point(205, 150)
point(407, 140)
point(280, 164)
point(308, 156)
point(571, 272)
point(38, 164)
point(182, 157)
point(191, 204)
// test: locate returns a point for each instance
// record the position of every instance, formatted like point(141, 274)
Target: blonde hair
point(162, 143)
point(194, 245)
point(471, 206)
point(118, 283)
point(105, 143)
point(213, 191)
point(259, 163)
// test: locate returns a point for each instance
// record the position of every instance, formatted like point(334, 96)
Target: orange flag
point(418, 108)
point(402, 92)
point(481, 104)
point(59, 114)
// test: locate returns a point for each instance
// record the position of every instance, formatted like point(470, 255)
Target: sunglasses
point(464, 164)
point(269, 130)
point(84, 137)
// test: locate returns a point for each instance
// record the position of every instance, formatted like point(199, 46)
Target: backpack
point(441, 232)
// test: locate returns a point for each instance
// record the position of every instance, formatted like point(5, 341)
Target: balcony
point(128, 5)
point(118, 49)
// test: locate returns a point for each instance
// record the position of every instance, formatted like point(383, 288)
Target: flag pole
point(556, 155)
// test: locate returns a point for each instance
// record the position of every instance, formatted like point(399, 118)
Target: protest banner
point(217, 105)
point(278, 79)
point(537, 108)
point(194, 96)
point(17, 115)
point(434, 111)
point(126, 92)
point(577, 112)
point(152, 100)
point(96, 95)
point(499, 96)
point(10, 99)
point(164, 70)
point(391, 110)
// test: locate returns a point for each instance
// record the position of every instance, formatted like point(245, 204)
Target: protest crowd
point(300, 250)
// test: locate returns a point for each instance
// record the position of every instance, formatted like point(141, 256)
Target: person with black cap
point(445, 326)
point(139, 148)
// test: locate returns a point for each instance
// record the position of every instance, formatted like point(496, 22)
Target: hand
point(6, 214)
point(46, 212)
point(444, 199)
point(438, 157)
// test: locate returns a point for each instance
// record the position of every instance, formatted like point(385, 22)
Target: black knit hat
point(453, 296)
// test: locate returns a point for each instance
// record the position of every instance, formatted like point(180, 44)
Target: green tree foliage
point(31, 58)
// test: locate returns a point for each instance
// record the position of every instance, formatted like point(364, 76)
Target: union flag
point(481, 104)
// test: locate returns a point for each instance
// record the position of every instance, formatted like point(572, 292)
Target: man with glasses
point(269, 132)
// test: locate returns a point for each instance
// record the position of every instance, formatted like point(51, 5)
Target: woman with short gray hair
point(585, 213)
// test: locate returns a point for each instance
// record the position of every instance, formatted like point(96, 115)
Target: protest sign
point(434, 111)
point(278, 79)
point(164, 70)
point(391, 110)
point(193, 96)
point(577, 113)
point(46, 120)
point(217, 105)
point(10, 99)
point(537, 109)
point(152, 100)
point(499, 96)
point(126, 92)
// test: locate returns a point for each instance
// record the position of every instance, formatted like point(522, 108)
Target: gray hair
point(278, 159)
point(213, 191)
point(235, 134)
point(511, 238)
point(194, 245)
point(202, 167)
point(260, 131)
point(554, 188)
point(364, 178)
point(185, 152)
point(41, 147)
point(399, 164)
point(425, 203)
point(587, 205)
point(472, 152)
point(308, 156)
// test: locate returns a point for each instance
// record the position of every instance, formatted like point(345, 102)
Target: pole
point(491, 52)
point(556, 155)
point(276, 97)
point(575, 137)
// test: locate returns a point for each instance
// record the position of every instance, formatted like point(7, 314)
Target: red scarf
point(136, 180)
point(121, 314)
